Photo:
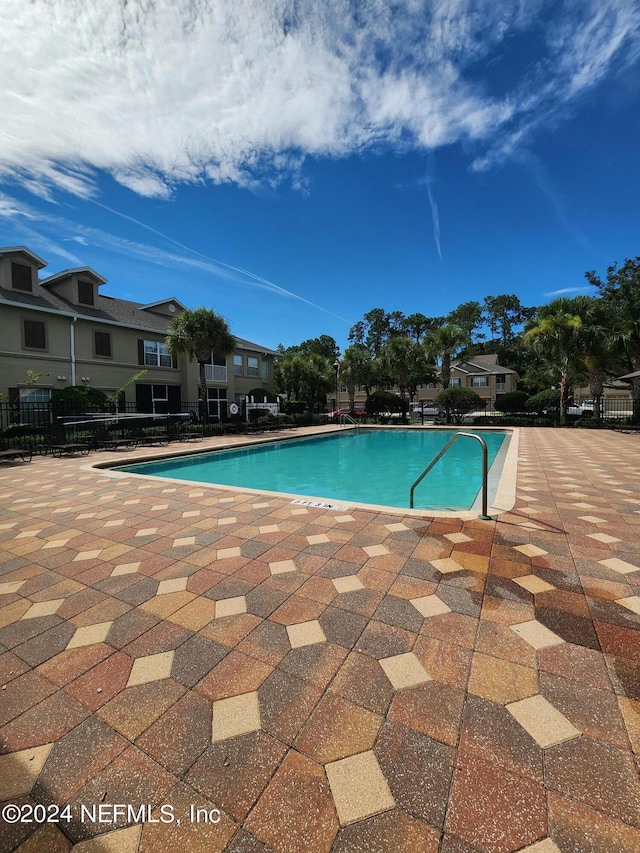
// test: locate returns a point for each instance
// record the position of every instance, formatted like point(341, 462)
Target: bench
point(14, 453)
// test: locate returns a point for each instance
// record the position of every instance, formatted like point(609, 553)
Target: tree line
point(567, 343)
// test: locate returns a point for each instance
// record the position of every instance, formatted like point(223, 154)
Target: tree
point(502, 313)
point(457, 402)
point(554, 335)
point(418, 327)
point(317, 380)
point(406, 363)
point(288, 372)
point(511, 403)
point(325, 345)
point(621, 293)
point(361, 368)
point(197, 334)
point(467, 317)
point(599, 350)
point(375, 329)
point(384, 401)
point(447, 343)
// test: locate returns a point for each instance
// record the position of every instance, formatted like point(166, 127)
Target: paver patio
point(251, 675)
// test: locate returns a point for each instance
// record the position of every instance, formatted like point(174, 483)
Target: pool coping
point(503, 501)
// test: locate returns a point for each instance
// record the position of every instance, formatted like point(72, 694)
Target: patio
point(251, 675)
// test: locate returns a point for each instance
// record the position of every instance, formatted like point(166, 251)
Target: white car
point(587, 406)
point(427, 410)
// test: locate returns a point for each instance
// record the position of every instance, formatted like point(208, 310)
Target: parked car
point(357, 413)
point(586, 407)
point(427, 410)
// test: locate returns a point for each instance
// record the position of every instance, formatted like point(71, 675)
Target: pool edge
point(504, 500)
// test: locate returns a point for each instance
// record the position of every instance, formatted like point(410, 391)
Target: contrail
point(264, 281)
point(429, 180)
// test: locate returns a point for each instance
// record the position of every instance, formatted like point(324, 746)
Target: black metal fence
point(37, 426)
point(611, 409)
point(33, 426)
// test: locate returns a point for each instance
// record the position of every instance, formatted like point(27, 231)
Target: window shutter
point(140, 351)
point(175, 397)
point(144, 401)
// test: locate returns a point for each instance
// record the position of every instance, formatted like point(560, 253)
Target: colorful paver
point(285, 678)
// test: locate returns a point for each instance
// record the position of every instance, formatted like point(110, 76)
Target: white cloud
point(23, 219)
point(564, 290)
point(170, 91)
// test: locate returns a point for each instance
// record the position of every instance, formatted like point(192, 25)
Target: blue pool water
point(359, 466)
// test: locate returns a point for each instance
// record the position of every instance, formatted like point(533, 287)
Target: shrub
point(384, 401)
point(79, 399)
point(512, 403)
point(457, 402)
point(545, 401)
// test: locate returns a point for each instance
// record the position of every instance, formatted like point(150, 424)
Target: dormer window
point(85, 293)
point(21, 277)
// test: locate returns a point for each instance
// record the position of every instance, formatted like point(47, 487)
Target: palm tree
point(599, 347)
point(447, 342)
point(555, 336)
point(197, 334)
point(288, 373)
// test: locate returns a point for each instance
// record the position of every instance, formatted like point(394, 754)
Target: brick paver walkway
point(326, 681)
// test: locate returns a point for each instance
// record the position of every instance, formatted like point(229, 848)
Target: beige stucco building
point(481, 374)
point(64, 326)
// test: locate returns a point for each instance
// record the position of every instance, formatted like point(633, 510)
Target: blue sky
point(295, 164)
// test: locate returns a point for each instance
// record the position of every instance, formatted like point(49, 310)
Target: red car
point(357, 413)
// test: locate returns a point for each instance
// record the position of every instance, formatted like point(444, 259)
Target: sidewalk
point(196, 669)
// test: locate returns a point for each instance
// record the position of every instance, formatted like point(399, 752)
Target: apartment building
point(481, 374)
point(64, 326)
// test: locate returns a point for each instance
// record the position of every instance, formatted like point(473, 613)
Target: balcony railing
point(215, 373)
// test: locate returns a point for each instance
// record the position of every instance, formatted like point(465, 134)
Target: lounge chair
point(56, 442)
point(10, 454)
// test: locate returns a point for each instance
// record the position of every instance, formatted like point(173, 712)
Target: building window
point(34, 405)
point(159, 394)
point(238, 367)
point(501, 382)
point(253, 368)
point(215, 369)
point(21, 277)
point(156, 354)
point(479, 382)
point(217, 399)
point(102, 344)
point(265, 371)
point(454, 383)
point(35, 334)
point(85, 293)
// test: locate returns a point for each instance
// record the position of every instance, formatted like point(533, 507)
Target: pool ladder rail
point(345, 420)
point(485, 470)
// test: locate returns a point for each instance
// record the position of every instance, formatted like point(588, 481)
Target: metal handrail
point(485, 470)
point(344, 419)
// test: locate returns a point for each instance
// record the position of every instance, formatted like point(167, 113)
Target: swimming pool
point(361, 466)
